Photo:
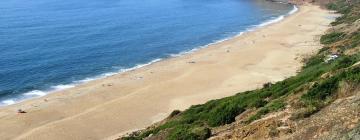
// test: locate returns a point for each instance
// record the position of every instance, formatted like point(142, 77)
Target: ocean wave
point(35, 93)
point(294, 10)
point(263, 24)
point(204, 46)
point(276, 19)
point(40, 93)
point(8, 102)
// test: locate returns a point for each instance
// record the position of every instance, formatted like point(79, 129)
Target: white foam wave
point(294, 10)
point(35, 93)
point(268, 22)
point(8, 102)
point(204, 46)
point(113, 73)
point(104, 75)
point(40, 93)
point(62, 87)
point(275, 20)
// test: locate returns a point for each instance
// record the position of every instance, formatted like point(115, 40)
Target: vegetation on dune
point(197, 121)
point(273, 106)
point(323, 90)
point(331, 38)
point(349, 8)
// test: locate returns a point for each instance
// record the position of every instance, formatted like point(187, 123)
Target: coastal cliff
point(321, 102)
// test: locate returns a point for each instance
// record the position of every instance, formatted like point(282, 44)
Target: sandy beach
point(109, 107)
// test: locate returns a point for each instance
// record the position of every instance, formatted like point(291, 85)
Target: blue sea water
point(48, 45)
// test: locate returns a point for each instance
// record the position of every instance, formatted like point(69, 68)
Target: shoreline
point(146, 95)
point(53, 89)
point(58, 88)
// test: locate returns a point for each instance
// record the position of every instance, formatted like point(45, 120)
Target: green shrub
point(332, 6)
point(345, 61)
point(322, 90)
point(224, 114)
point(353, 75)
point(349, 9)
point(189, 132)
point(174, 113)
point(331, 37)
point(355, 39)
point(271, 107)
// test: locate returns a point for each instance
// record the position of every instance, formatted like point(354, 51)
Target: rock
point(21, 111)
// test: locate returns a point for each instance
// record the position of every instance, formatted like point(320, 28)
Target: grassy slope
point(197, 121)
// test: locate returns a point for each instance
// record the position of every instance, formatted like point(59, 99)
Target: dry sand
point(106, 108)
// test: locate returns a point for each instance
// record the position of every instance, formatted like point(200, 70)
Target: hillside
point(321, 102)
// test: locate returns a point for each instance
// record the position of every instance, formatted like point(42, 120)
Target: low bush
point(331, 37)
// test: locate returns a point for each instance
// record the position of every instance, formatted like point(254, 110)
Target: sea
point(52, 45)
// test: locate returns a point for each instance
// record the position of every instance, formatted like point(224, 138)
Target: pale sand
point(108, 107)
